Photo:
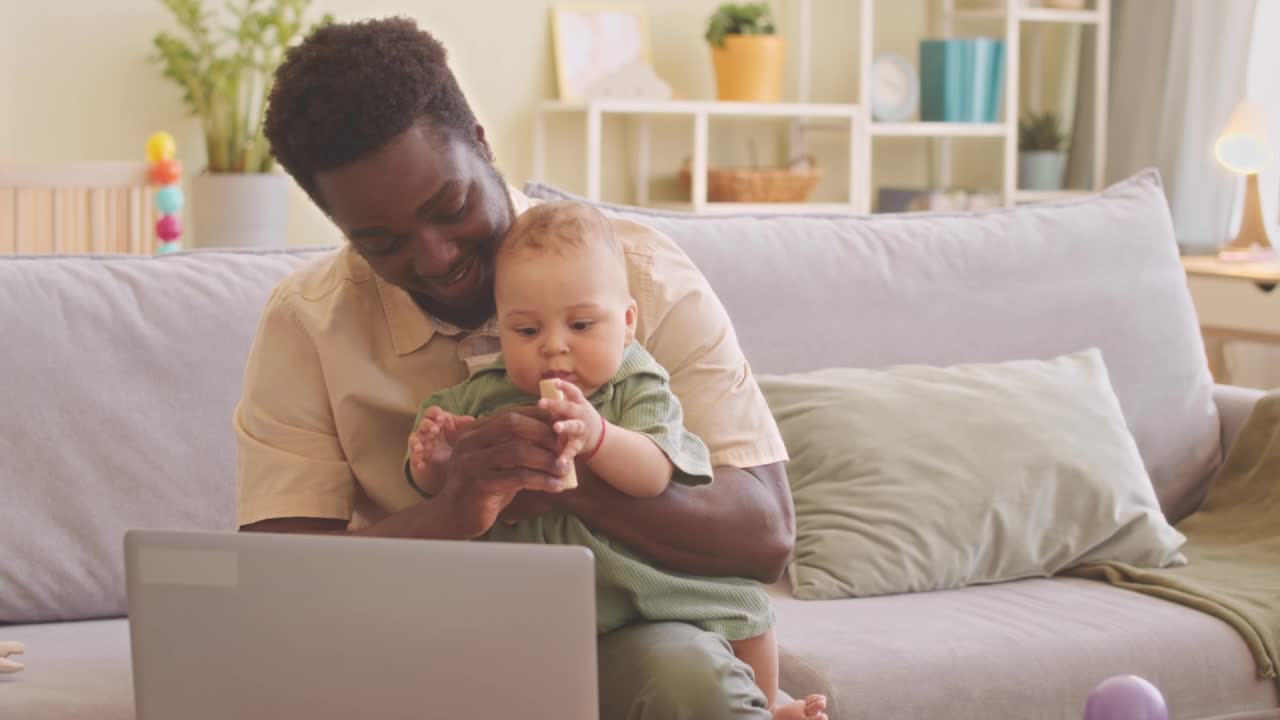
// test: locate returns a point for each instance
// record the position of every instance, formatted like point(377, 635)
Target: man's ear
point(630, 319)
point(477, 134)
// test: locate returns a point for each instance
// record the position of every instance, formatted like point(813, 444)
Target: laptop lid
point(265, 626)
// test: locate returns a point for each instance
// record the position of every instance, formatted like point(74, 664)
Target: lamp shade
point(1243, 146)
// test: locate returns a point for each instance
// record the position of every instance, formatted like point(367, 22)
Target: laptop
point(271, 627)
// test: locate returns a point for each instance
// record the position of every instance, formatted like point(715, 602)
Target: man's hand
point(529, 505)
point(493, 460)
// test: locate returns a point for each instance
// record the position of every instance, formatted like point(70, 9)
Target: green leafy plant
point(226, 75)
point(740, 19)
point(1040, 132)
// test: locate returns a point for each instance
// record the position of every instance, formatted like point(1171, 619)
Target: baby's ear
point(632, 312)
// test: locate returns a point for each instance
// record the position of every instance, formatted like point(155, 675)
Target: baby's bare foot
point(813, 707)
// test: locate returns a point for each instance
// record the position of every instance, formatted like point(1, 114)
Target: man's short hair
point(350, 88)
point(558, 227)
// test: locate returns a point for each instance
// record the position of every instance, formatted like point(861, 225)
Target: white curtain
point(1254, 364)
point(1178, 67)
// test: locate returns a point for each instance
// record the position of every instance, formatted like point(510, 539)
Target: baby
point(565, 314)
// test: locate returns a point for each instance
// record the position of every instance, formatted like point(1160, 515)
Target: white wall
point(75, 84)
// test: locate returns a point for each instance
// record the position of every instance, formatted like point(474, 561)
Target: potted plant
point(225, 77)
point(746, 52)
point(1042, 161)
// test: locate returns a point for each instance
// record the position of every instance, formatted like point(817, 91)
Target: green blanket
point(1233, 544)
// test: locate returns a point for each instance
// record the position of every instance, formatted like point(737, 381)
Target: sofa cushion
point(74, 670)
point(1026, 649)
point(810, 292)
point(125, 371)
point(918, 478)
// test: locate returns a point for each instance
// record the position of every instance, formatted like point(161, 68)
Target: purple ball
point(168, 228)
point(1125, 697)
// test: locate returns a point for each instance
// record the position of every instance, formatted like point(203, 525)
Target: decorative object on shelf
point(755, 184)
point(635, 81)
point(1042, 159)
point(961, 79)
point(225, 78)
point(746, 52)
point(600, 49)
point(900, 200)
point(166, 174)
point(1244, 148)
point(895, 88)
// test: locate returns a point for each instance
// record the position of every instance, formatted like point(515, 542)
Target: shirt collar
point(411, 326)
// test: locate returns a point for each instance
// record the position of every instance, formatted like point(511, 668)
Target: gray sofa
point(118, 377)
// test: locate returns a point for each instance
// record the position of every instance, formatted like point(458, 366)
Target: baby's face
point(563, 315)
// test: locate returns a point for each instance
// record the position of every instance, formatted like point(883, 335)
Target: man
point(370, 122)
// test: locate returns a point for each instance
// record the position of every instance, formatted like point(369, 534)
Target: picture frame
point(594, 41)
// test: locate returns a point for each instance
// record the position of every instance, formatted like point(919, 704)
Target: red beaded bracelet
point(599, 443)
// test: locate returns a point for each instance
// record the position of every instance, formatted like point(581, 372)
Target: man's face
point(427, 211)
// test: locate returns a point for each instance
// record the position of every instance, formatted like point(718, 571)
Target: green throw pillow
point(918, 478)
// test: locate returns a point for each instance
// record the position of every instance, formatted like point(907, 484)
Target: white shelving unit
point(937, 129)
point(849, 116)
point(1015, 17)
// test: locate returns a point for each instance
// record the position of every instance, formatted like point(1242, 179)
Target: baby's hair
point(557, 227)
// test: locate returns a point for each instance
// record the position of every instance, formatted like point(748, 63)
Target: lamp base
point(1251, 243)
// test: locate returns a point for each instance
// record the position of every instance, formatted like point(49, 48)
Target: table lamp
point(1243, 147)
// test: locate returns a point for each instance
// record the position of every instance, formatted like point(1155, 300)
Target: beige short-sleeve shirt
point(342, 359)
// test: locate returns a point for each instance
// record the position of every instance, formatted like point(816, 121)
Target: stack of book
point(961, 79)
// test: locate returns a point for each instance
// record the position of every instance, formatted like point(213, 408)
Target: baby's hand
point(575, 421)
point(433, 440)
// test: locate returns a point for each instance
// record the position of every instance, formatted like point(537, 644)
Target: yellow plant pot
point(749, 68)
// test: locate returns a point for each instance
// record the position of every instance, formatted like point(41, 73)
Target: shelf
point(1034, 14)
point(702, 107)
point(733, 208)
point(1049, 15)
point(978, 14)
point(939, 129)
point(1034, 196)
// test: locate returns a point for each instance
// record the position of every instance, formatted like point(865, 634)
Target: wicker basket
point(756, 185)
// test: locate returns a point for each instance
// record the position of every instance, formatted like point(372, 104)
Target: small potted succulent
point(747, 53)
point(1042, 158)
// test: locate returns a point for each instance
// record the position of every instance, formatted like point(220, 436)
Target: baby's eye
point(527, 331)
point(582, 325)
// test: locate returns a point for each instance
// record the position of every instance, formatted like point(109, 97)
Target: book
point(961, 79)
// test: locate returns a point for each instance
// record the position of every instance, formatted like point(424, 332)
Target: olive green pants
point(674, 671)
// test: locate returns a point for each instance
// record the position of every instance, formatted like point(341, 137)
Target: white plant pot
point(1041, 170)
point(240, 210)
